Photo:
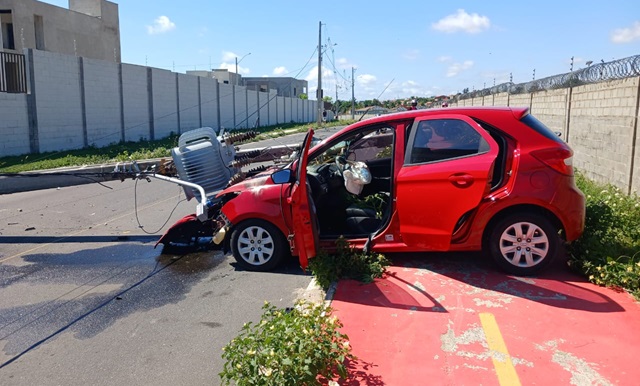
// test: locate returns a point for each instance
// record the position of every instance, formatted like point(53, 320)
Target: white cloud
point(457, 68)
point(626, 35)
point(280, 70)
point(161, 25)
point(444, 59)
point(462, 21)
point(366, 79)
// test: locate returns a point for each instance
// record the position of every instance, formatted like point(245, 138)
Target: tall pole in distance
point(353, 94)
point(319, 91)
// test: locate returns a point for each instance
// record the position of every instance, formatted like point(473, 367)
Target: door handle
point(461, 180)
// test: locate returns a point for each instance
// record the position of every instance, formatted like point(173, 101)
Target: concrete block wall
point(603, 120)
point(102, 102)
point(550, 107)
point(240, 95)
point(288, 114)
point(15, 138)
point(209, 102)
point(165, 103)
point(135, 103)
point(252, 106)
point(76, 102)
point(281, 109)
point(520, 100)
point(263, 102)
point(58, 101)
point(189, 102)
point(501, 99)
point(226, 105)
point(273, 110)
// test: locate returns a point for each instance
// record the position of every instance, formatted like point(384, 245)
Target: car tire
point(524, 244)
point(258, 245)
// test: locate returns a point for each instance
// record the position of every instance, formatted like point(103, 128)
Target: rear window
point(540, 127)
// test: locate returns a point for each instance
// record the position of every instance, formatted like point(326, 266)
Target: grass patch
point(126, 151)
point(608, 253)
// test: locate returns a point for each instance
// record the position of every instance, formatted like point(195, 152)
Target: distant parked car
point(459, 179)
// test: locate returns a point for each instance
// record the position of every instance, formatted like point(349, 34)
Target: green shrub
point(346, 263)
point(301, 346)
point(608, 253)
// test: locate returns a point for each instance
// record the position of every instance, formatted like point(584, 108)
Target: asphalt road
point(86, 299)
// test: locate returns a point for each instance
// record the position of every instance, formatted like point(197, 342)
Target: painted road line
point(501, 360)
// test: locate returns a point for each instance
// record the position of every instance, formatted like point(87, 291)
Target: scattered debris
point(30, 229)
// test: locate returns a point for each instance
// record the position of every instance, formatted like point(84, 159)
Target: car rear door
point(447, 171)
point(305, 229)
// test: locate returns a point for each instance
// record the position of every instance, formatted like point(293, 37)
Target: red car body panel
point(439, 206)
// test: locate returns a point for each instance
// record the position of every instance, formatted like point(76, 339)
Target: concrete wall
point(165, 103)
point(76, 102)
point(13, 110)
point(209, 102)
point(551, 108)
point(102, 102)
point(602, 131)
point(135, 103)
point(58, 101)
point(226, 105)
point(281, 109)
point(188, 102)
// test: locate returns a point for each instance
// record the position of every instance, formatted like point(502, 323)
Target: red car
point(455, 179)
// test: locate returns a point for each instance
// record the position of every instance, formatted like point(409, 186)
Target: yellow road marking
point(501, 360)
point(84, 230)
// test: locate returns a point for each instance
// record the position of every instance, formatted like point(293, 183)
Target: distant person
point(414, 105)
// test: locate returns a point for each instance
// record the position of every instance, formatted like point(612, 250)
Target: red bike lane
point(450, 320)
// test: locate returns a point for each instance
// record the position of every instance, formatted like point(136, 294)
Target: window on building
point(264, 88)
point(38, 26)
point(6, 30)
point(225, 82)
point(295, 92)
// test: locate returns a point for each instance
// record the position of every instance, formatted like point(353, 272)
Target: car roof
point(475, 111)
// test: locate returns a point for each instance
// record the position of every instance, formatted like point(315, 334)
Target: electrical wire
point(135, 204)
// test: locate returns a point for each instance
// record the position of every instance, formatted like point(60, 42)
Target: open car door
point(447, 171)
point(305, 228)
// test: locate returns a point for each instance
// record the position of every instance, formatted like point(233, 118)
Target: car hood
point(256, 182)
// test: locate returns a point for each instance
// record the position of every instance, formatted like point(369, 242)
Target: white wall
point(226, 106)
point(80, 101)
point(58, 102)
point(209, 101)
point(189, 102)
point(102, 102)
point(165, 103)
point(14, 124)
point(135, 102)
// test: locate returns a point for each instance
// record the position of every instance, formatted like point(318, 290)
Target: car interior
point(351, 183)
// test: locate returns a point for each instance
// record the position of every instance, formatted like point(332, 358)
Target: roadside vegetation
point(608, 253)
point(127, 151)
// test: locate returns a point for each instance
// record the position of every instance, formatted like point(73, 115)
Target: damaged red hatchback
point(455, 179)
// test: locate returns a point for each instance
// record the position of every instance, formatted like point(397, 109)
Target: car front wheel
point(258, 245)
point(524, 244)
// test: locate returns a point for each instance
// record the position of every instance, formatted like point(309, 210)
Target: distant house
point(89, 28)
point(283, 86)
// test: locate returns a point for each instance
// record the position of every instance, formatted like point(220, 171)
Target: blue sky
point(419, 48)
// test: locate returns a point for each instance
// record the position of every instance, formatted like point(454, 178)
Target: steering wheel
point(341, 163)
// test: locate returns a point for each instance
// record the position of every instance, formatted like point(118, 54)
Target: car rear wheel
point(524, 244)
point(258, 245)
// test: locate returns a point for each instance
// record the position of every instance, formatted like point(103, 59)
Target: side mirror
point(281, 176)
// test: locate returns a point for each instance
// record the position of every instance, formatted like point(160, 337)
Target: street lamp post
point(238, 61)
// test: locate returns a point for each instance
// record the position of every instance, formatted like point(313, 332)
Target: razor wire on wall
point(617, 69)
